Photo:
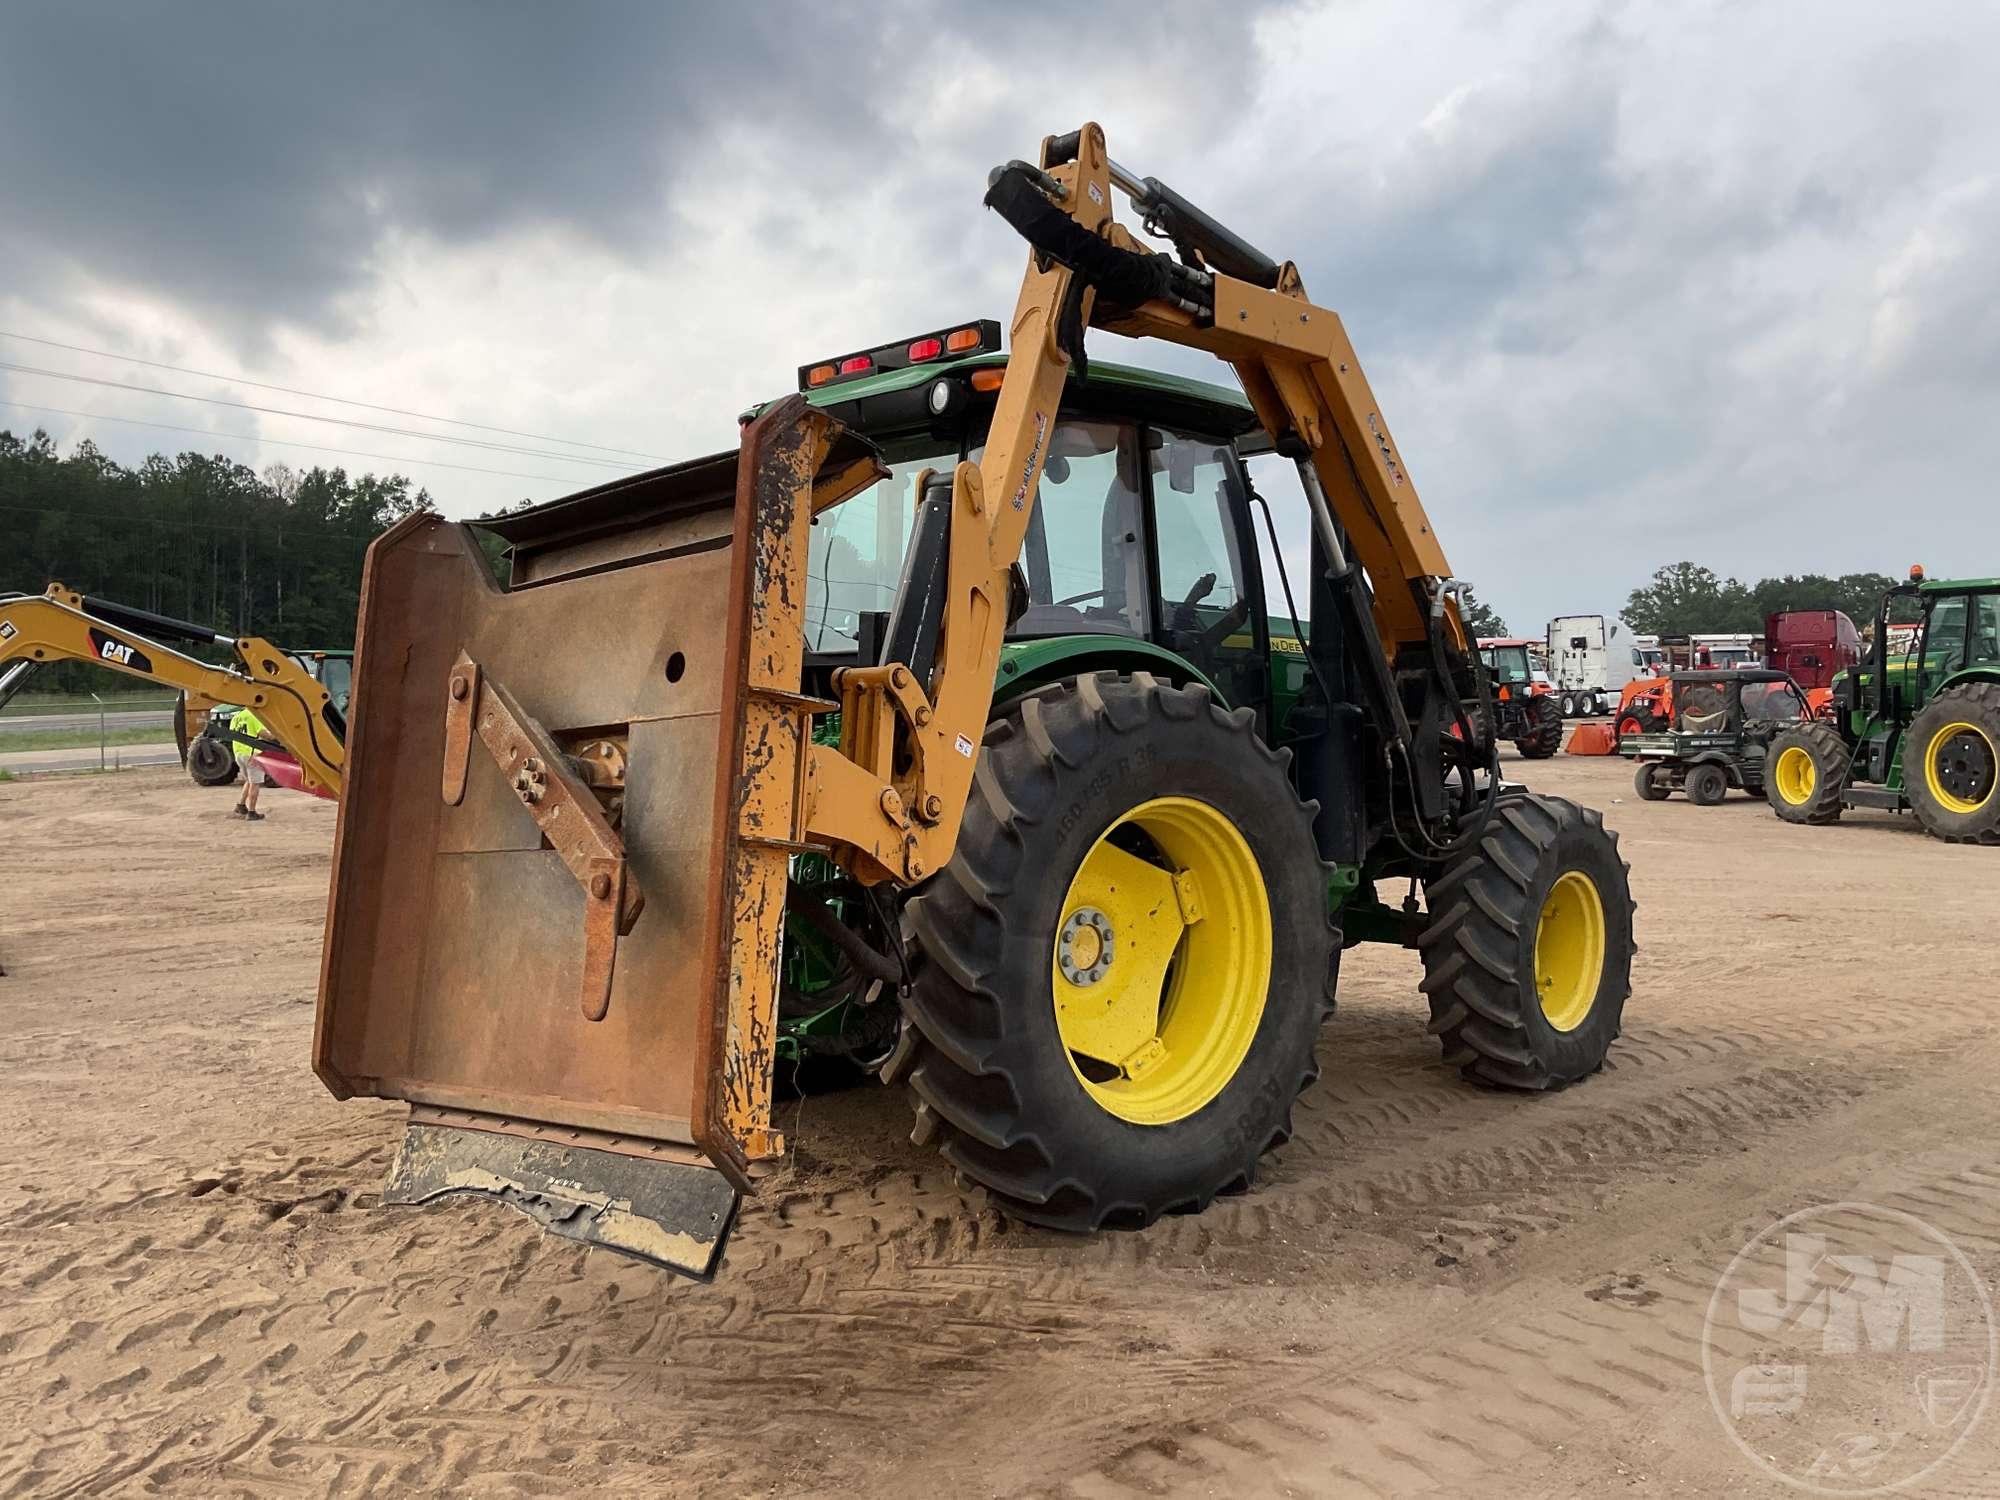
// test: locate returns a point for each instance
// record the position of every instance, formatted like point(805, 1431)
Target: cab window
point(855, 559)
point(1202, 597)
point(1084, 554)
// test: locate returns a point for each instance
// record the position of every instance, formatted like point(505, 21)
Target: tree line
point(1685, 598)
point(199, 537)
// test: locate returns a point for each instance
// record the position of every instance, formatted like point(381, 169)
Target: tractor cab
point(1722, 726)
point(1140, 551)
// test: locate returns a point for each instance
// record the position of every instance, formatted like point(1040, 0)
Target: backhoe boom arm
point(63, 625)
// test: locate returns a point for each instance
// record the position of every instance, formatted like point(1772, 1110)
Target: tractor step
point(1875, 796)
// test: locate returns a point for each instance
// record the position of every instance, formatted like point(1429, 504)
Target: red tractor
point(1525, 710)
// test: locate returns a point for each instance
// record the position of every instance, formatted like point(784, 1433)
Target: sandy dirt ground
point(1430, 1289)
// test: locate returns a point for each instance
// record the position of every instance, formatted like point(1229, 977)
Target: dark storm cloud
point(247, 160)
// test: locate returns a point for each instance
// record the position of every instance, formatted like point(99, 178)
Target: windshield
point(856, 559)
point(337, 677)
point(1732, 656)
point(1507, 663)
point(1772, 702)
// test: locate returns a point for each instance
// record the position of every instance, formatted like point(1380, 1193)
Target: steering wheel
point(1079, 598)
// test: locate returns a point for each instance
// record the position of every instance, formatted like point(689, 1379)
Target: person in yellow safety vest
point(245, 722)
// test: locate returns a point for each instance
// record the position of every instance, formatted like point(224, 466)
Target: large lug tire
point(1706, 785)
point(1951, 764)
point(1528, 951)
point(1650, 784)
point(1805, 771)
point(1545, 729)
point(1057, 1137)
point(210, 762)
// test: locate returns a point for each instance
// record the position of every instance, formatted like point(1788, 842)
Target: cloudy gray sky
point(1634, 282)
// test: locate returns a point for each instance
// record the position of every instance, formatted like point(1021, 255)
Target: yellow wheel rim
point(1162, 961)
point(1569, 950)
point(1961, 767)
point(1796, 775)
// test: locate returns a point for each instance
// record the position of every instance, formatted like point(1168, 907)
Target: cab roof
point(1959, 586)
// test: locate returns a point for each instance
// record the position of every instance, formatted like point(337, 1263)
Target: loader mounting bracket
point(559, 801)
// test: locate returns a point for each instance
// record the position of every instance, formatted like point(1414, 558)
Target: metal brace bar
point(560, 803)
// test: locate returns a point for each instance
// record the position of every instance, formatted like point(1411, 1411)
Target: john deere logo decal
point(109, 648)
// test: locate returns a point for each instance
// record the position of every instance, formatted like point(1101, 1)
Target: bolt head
point(600, 886)
point(459, 688)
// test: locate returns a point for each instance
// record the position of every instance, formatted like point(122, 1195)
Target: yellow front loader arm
point(64, 625)
point(889, 799)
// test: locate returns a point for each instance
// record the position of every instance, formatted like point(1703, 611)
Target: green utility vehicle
point(1916, 730)
point(1720, 735)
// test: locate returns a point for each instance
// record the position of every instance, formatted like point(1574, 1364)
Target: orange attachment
point(1593, 739)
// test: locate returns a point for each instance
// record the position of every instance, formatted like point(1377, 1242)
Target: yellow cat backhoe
point(64, 625)
point(1075, 826)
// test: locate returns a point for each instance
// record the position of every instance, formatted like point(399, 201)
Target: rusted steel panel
point(455, 943)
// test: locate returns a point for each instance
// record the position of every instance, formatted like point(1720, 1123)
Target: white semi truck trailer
point(1590, 661)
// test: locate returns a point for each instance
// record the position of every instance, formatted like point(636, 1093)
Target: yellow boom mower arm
point(560, 875)
point(1306, 385)
point(64, 625)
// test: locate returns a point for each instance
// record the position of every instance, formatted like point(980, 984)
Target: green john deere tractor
point(1142, 557)
point(1914, 730)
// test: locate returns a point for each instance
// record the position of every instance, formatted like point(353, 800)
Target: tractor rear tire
point(210, 762)
point(1528, 952)
point(1545, 729)
point(1076, 793)
point(1951, 764)
point(1646, 781)
point(1805, 771)
point(1706, 785)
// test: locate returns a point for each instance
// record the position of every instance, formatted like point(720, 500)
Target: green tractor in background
point(1916, 730)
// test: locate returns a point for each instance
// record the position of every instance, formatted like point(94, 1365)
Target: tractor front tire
point(1951, 764)
point(1805, 771)
point(210, 762)
point(1545, 729)
point(1123, 971)
point(1528, 951)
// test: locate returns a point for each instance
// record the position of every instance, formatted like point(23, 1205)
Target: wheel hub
point(1964, 766)
point(1085, 948)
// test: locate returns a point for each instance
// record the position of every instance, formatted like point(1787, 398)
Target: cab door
point(1208, 598)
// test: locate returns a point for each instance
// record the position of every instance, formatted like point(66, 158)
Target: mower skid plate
point(585, 782)
point(674, 1215)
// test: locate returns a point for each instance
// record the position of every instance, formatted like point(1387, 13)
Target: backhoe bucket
point(559, 868)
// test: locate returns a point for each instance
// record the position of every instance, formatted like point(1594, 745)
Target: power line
point(431, 437)
point(261, 385)
point(435, 463)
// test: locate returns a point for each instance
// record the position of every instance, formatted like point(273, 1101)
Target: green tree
point(1481, 620)
point(1683, 597)
point(198, 536)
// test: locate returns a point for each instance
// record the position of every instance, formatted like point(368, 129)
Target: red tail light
point(924, 349)
point(856, 364)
